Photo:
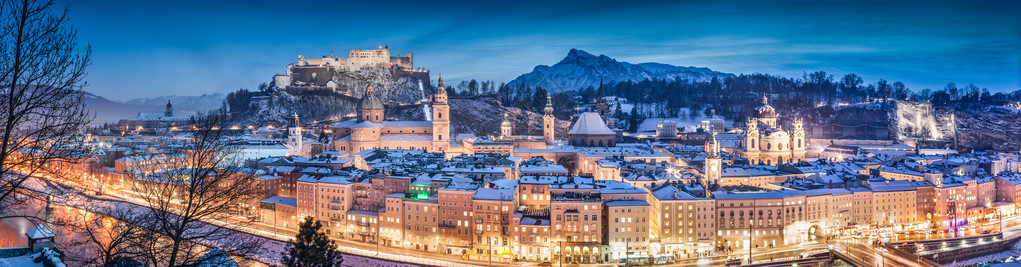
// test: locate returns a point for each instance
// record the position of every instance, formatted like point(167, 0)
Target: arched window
point(799, 143)
point(769, 146)
point(753, 143)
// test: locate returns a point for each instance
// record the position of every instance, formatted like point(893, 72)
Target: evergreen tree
point(312, 247)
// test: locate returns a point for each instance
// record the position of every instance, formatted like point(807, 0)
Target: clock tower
point(713, 163)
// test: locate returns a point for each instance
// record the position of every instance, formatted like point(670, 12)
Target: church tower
point(713, 164)
point(548, 121)
point(751, 135)
point(505, 127)
point(441, 119)
point(294, 142)
point(601, 106)
point(170, 110)
point(798, 144)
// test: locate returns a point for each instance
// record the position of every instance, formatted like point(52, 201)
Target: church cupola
point(370, 108)
point(505, 127)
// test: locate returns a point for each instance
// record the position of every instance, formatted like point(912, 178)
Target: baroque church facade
point(370, 131)
point(766, 142)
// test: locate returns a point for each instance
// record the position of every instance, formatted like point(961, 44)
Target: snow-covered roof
point(494, 194)
point(407, 124)
point(621, 203)
point(288, 201)
point(590, 123)
point(39, 232)
point(411, 137)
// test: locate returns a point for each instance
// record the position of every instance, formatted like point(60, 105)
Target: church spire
point(549, 105)
point(712, 147)
point(602, 92)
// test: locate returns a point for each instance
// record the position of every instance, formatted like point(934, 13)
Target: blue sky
point(153, 48)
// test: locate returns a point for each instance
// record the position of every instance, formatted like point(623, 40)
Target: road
point(871, 255)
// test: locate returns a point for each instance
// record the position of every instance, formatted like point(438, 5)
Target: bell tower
point(548, 121)
point(751, 135)
point(798, 144)
point(294, 142)
point(441, 119)
point(170, 109)
point(713, 164)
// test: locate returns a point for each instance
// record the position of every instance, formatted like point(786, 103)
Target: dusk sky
point(153, 48)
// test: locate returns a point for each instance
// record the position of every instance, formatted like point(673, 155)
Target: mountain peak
point(580, 69)
point(576, 54)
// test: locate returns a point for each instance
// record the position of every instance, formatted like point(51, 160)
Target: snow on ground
point(27, 260)
point(20, 261)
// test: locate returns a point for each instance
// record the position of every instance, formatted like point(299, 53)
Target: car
point(985, 232)
point(733, 262)
point(545, 263)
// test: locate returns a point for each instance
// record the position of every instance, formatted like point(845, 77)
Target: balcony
point(362, 223)
point(536, 211)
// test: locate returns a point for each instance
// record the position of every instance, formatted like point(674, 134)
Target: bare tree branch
point(42, 115)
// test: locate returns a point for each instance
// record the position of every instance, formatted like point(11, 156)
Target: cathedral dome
point(765, 110)
point(370, 101)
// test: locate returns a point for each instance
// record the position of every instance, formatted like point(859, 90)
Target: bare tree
point(199, 205)
point(42, 73)
point(99, 238)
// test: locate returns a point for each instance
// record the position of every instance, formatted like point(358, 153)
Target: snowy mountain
point(183, 105)
point(580, 70)
point(109, 111)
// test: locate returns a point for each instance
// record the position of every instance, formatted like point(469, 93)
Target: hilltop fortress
point(322, 72)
